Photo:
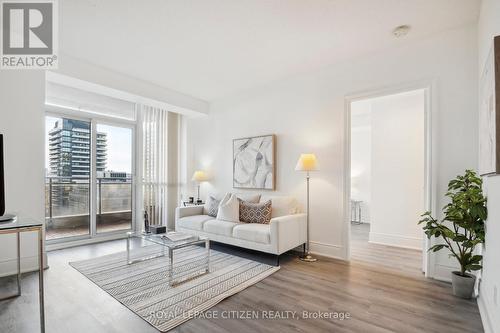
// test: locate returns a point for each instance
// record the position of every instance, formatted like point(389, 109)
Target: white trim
point(485, 315)
point(429, 86)
point(346, 181)
point(431, 131)
point(413, 243)
point(327, 250)
point(93, 179)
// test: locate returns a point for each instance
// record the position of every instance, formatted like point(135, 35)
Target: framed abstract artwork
point(254, 162)
point(489, 113)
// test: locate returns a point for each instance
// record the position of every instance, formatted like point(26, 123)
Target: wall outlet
point(495, 295)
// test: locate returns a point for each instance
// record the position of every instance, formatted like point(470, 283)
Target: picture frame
point(489, 113)
point(254, 162)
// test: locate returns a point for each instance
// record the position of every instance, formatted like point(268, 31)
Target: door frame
point(94, 119)
point(430, 169)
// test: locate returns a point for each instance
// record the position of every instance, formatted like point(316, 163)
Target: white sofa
point(285, 231)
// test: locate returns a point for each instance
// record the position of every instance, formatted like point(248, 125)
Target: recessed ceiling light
point(401, 31)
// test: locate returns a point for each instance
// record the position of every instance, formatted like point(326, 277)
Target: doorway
point(89, 186)
point(389, 179)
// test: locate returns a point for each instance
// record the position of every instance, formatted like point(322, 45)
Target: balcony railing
point(67, 205)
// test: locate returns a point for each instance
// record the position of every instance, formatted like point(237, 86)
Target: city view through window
point(69, 162)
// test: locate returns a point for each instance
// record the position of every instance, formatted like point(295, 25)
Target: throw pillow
point(211, 207)
point(255, 212)
point(229, 209)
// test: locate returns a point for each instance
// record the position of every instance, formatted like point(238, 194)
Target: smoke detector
point(401, 31)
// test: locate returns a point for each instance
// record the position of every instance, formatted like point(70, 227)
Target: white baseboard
point(28, 264)
point(327, 250)
point(413, 243)
point(485, 315)
point(443, 272)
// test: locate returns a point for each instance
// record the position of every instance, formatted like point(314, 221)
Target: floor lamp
point(307, 163)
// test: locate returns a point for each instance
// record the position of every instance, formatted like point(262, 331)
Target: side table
point(17, 226)
point(187, 203)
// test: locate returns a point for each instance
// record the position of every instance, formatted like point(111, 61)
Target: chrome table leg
point(171, 270)
point(18, 263)
point(40, 282)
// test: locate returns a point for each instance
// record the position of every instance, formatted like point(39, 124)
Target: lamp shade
point(307, 162)
point(199, 176)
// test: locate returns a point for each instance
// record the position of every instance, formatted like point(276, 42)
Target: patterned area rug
point(143, 287)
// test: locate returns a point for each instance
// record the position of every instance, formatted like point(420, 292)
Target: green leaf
point(474, 267)
point(437, 247)
point(459, 238)
point(475, 259)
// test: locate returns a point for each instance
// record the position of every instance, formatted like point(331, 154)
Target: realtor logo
point(28, 34)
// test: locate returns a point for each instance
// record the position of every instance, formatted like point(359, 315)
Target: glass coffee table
point(176, 241)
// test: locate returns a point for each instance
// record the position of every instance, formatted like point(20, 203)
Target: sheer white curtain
point(155, 163)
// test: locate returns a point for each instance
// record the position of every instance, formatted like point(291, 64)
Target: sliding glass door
point(89, 183)
point(114, 178)
point(67, 181)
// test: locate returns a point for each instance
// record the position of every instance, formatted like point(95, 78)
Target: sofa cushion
point(255, 212)
point(193, 222)
point(282, 205)
point(254, 232)
point(218, 227)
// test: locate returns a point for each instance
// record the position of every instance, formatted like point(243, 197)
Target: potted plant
point(462, 228)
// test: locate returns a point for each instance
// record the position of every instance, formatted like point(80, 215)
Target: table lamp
point(199, 176)
point(307, 163)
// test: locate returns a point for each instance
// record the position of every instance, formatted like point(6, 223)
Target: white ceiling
point(213, 48)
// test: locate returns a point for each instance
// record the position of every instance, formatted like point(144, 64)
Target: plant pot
point(463, 286)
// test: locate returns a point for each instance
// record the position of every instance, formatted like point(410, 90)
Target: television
point(2, 181)
point(4, 218)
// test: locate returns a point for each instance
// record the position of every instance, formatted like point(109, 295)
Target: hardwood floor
point(377, 299)
point(403, 261)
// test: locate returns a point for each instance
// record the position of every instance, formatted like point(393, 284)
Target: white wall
point(488, 27)
point(22, 123)
point(306, 112)
point(397, 169)
point(361, 156)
